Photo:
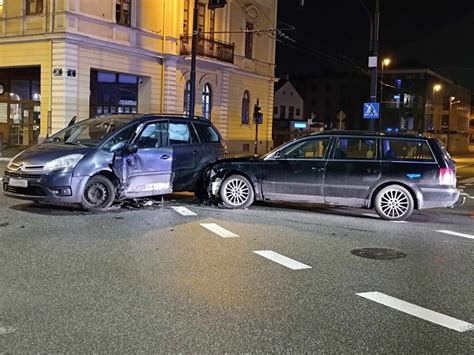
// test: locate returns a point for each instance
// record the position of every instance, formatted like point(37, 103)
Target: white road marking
point(467, 181)
point(282, 260)
point(217, 229)
point(417, 311)
point(399, 221)
point(6, 330)
point(183, 211)
point(456, 234)
point(464, 194)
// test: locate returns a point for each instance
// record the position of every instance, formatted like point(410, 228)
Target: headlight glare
point(66, 162)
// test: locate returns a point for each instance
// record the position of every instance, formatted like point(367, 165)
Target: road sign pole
point(192, 94)
point(374, 53)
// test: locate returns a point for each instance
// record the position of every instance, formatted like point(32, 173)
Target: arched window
point(206, 101)
point(187, 97)
point(245, 107)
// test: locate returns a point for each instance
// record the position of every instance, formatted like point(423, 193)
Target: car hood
point(39, 155)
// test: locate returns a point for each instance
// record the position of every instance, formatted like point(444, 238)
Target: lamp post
point(385, 62)
point(436, 88)
point(451, 103)
point(373, 49)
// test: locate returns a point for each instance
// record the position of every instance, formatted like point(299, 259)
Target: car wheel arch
point(416, 196)
point(226, 173)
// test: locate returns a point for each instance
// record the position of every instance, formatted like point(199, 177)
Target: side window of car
point(406, 150)
point(120, 140)
point(355, 148)
point(206, 133)
point(309, 149)
point(179, 133)
point(153, 135)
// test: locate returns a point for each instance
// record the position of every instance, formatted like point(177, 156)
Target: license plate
point(17, 182)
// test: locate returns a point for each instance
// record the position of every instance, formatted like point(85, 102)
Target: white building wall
point(288, 96)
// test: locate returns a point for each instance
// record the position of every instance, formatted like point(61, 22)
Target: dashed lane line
point(417, 311)
point(220, 231)
point(282, 260)
point(467, 181)
point(184, 211)
point(457, 234)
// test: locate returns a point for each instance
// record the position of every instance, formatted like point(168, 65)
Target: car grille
point(23, 167)
point(29, 191)
point(22, 176)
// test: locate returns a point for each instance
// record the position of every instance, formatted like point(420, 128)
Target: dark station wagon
point(394, 174)
point(98, 161)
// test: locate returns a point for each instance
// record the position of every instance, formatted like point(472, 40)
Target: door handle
point(165, 157)
point(195, 152)
point(319, 170)
point(373, 171)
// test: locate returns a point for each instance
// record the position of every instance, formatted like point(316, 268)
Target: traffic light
point(216, 4)
point(257, 115)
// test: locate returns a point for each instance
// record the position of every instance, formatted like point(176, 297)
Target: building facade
point(288, 115)
point(422, 100)
point(61, 59)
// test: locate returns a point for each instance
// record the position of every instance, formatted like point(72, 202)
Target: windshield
point(89, 132)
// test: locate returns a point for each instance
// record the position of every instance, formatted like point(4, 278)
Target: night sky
point(334, 35)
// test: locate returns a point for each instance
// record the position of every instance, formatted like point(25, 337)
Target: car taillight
point(447, 177)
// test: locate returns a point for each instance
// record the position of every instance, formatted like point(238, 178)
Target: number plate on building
point(17, 182)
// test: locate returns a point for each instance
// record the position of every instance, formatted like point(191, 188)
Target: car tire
point(98, 195)
point(237, 192)
point(394, 203)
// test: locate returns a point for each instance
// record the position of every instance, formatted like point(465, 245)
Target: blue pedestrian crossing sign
point(371, 110)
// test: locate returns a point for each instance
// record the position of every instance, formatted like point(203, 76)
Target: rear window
point(207, 133)
point(406, 150)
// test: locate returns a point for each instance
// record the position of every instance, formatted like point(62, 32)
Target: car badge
point(22, 167)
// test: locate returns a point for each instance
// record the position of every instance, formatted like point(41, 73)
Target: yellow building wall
point(238, 132)
point(32, 54)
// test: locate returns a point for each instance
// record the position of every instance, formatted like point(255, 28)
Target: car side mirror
point(132, 148)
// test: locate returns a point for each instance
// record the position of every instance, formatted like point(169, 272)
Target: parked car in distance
point(100, 160)
point(394, 174)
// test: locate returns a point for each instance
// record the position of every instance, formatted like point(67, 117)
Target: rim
point(236, 192)
point(394, 203)
point(96, 194)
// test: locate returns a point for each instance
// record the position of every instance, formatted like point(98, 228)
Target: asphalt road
point(154, 280)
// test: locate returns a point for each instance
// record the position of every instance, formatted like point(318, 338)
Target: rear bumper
point(439, 197)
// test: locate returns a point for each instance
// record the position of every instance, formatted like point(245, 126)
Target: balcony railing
point(208, 47)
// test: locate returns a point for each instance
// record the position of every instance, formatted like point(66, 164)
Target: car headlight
point(66, 162)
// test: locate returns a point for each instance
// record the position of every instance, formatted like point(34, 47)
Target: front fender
point(219, 174)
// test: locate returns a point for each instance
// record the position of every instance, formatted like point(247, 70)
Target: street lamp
point(385, 62)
